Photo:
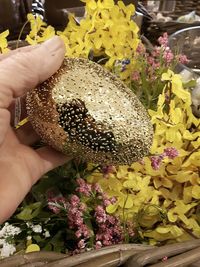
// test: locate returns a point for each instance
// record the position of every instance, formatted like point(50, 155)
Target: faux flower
point(106, 31)
point(3, 42)
point(161, 193)
point(40, 32)
point(150, 71)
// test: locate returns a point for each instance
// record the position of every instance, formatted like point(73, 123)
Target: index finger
point(24, 70)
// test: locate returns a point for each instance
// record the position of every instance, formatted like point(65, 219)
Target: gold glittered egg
point(85, 111)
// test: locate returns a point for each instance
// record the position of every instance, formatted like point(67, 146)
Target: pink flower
point(171, 152)
point(141, 49)
point(110, 231)
point(130, 229)
point(56, 204)
point(96, 187)
point(83, 231)
point(106, 170)
point(52, 206)
point(82, 207)
point(111, 219)
point(156, 161)
point(183, 59)
point(150, 60)
point(156, 65)
point(106, 202)
point(100, 214)
point(79, 221)
point(73, 210)
point(75, 217)
point(74, 200)
point(168, 56)
point(163, 40)
point(156, 51)
point(78, 233)
point(98, 245)
point(113, 200)
point(165, 258)
point(81, 244)
point(84, 188)
point(135, 76)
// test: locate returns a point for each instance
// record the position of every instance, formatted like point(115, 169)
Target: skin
point(20, 165)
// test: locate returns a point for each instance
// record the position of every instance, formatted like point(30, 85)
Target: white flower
point(46, 233)
point(7, 250)
point(37, 228)
point(47, 220)
point(29, 237)
point(9, 230)
point(29, 224)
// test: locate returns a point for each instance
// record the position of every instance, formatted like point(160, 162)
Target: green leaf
point(190, 84)
point(57, 242)
point(48, 247)
point(29, 212)
point(37, 238)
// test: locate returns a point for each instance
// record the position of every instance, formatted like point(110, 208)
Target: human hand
point(20, 165)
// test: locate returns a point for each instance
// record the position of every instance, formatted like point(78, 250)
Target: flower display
point(106, 34)
point(40, 31)
point(152, 62)
point(160, 195)
point(106, 31)
point(155, 201)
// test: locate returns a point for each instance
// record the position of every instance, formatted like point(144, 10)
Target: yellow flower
point(174, 189)
point(106, 31)
point(177, 86)
point(92, 4)
point(40, 32)
point(3, 42)
point(32, 248)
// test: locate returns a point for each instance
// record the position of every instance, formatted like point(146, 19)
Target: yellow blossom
point(106, 31)
point(40, 32)
point(3, 42)
point(32, 248)
point(174, 189)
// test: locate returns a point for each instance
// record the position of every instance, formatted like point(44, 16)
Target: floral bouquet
point(80, 206)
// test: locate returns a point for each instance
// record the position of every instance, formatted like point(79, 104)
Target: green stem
point(20, 34)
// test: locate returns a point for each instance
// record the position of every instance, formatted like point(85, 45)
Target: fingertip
point(51, 55)
point(54, 43)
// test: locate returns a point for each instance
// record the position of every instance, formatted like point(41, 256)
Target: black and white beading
point(38, 8)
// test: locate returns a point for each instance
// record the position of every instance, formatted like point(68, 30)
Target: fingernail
point(54, 44)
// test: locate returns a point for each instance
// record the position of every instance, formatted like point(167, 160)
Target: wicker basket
point(153, 29)
point(127, 255)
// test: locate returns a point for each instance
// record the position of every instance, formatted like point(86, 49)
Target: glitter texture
point(85, 111)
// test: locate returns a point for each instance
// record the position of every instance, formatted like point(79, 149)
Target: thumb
point(26, 69)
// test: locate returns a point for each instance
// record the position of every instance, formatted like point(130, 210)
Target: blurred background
point(153, 17)
point(13, 12)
